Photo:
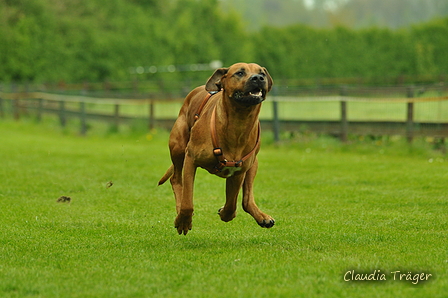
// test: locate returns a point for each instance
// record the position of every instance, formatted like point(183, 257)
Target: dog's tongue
point(256, 93)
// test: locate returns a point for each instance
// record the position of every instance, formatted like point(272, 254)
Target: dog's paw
point(226, 215)
point(183, 224)
point(267, 222)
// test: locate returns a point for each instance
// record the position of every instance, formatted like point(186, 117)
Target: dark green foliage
point(338, 52)
point(49, 40)
point(76, 41)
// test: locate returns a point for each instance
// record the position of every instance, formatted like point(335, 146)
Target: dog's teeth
point(259, 93)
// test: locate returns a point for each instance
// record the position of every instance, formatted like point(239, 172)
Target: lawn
point(362, 206)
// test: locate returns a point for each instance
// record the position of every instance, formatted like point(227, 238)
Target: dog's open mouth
point(257, 93)
point(250, 98)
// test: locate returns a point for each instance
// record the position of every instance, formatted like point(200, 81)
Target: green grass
point(361, 206)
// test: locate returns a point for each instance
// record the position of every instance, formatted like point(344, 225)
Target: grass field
point(363, 206)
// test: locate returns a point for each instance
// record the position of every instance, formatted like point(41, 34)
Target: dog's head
point(245, 83)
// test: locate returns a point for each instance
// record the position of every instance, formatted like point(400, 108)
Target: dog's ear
point(270, 80)
point(214, 83)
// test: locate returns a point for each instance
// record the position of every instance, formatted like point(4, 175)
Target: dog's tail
point(167, 175)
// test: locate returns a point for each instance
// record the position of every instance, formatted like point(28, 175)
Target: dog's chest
point(227, 172)
point(224, 172)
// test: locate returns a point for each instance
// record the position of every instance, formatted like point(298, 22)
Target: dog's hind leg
point(178, 142)
point(176, 185)
point(263, 219)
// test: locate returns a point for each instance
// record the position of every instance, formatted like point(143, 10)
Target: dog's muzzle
point(254, 92)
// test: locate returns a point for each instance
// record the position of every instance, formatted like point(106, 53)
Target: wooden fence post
point(62, 115)
point(15, 103)
point(276, 121)
point(2, 113)
point(151, 123)
point(40, 108)
point(116, 117)
point(410, 116)
point(16, 108)
point(82, 113)
point(344, 123)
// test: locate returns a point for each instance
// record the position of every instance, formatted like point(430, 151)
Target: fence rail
point(69, 106)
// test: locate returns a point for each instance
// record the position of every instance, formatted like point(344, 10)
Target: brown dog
point(218, 129)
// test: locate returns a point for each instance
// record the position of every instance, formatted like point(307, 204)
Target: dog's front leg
point(263, 219)
point(233, 186)
point(184, 216)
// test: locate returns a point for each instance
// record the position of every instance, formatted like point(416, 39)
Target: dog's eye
point(240, 73)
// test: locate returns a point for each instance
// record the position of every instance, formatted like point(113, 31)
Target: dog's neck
point(239, 123)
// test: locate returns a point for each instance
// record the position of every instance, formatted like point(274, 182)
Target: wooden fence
point(19, 104)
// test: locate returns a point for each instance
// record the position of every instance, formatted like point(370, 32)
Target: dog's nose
point(257, 78)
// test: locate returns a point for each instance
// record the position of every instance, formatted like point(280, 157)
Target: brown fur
point(237, 129)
